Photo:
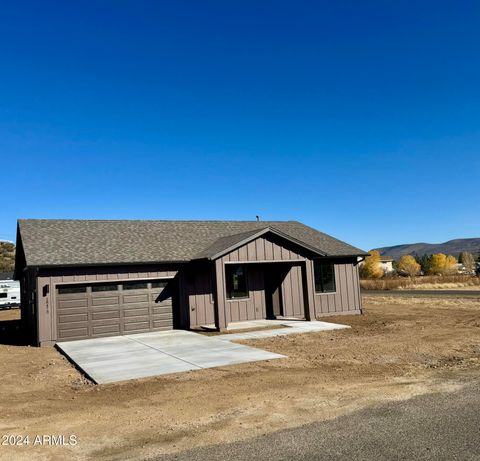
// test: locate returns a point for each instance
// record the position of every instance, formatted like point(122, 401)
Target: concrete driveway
point(119, 358)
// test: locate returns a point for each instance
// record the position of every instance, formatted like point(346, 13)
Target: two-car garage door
point(113, 308)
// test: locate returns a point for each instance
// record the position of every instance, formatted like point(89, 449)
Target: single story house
point(386, 263)
point(86, 279)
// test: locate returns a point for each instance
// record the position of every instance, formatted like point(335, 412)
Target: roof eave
point(99, 264)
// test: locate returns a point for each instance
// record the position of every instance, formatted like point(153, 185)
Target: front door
point(273, 291)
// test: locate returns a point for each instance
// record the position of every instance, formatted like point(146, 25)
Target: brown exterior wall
point(253, 307)
point(264, 250)
point(347, 296)
point(298, 286)
point(267, 248)
point(201, 287)
point(28, 303)
point(47, 303)
point(292, 293)
point(198, 294)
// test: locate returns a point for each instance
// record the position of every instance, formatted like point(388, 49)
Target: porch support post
point(309, 294)
point(219, 295)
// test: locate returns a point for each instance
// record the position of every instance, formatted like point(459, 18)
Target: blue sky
point(361, 119)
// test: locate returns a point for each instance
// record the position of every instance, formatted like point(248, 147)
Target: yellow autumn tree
point(451, 265)
point(408, 265)
point(371, 267)
point(442, 264)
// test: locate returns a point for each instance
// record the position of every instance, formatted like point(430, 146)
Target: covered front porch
point(258, 275)
point(251, 291)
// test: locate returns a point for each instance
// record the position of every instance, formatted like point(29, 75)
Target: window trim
point(246, 284)
point(319, 262)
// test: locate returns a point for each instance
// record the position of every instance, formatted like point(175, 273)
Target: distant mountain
point(452, 247)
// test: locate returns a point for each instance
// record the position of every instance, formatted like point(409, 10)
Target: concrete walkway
point(291, 327)
point(119, 358)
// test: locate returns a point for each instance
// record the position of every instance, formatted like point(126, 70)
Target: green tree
point(425, 262)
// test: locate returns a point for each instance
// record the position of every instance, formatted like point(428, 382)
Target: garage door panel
point(164, 315)
point(73, 311)
point(136, 312)
point(139, 298)
point(100, 322)
point(73, 333)
point(167, 324)
point(106, 301)
point(100, 310)
point(159, 297)
point(136, 319)
point(66, 303)
point(106, 307)
point(167, 302)
point(139, 305)
point(67, 318)
point(74, 325)
point(137, 326)
point(103, 330)
point(112, 314)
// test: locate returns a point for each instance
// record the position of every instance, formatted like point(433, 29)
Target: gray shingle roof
point(224, 243)
point(80, 242)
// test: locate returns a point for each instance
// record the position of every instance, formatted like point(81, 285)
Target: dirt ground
point(399, 348)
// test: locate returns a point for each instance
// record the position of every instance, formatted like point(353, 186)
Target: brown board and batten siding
point(264, 249)
point(198, 294)
point(292, 293)
point(253, 307)
point(346, 298)
point(50, 323)
point(278, 255)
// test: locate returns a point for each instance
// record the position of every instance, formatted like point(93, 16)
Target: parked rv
point(9, 292)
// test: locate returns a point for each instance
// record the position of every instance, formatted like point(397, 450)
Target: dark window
point(236, 281)
point(104, 287)
point(159, 284)
point(70, 289)
point(324, 277)
point(135, 285)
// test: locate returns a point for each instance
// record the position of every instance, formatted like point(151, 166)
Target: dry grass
point(437, 302)
point(428, 282)
point(399, 348)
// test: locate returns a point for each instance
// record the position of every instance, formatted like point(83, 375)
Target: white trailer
point(9, 294)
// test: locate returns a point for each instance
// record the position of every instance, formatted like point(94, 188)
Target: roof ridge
point(156, 220)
